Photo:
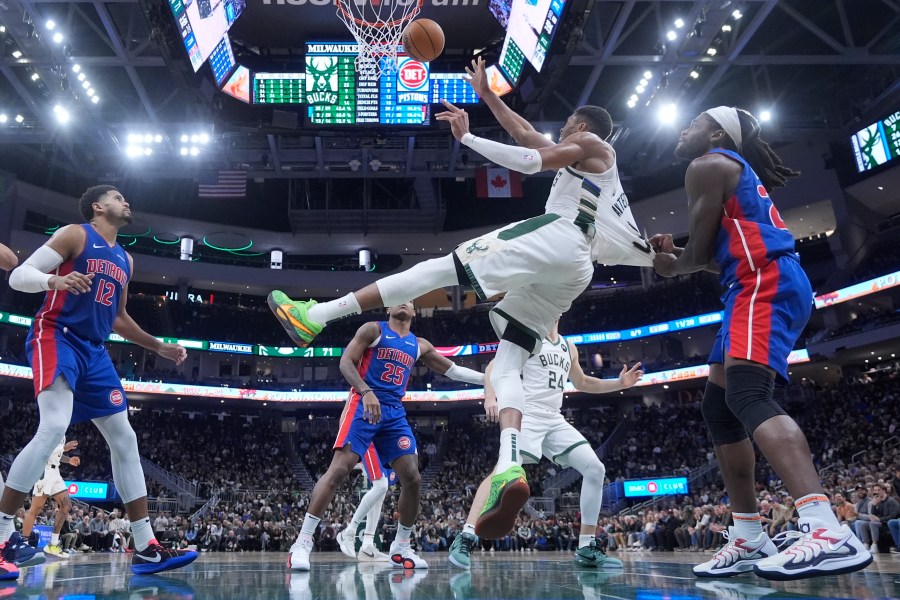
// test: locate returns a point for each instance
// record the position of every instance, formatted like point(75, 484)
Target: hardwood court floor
point(256, 576)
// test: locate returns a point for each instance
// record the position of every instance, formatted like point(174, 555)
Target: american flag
point(222, 184)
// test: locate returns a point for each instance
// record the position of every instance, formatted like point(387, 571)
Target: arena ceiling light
point(58, 37)
point(3, 118)
point(50, 24)
point(20, 119)
point(667, 113)
point(679, 23)
point(671, 35)
point(765, 115)
point(76, 68)
point(17, 54)
point(737, 14)
point(62, 115)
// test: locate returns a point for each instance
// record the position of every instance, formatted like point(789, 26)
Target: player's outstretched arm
point(33, 276)
point(594, 385)
point(520, 129)
point(125, 326)
point(705, 184)
point(365, 337)
point(576, 148)
point(8, 258)
point(439, 363)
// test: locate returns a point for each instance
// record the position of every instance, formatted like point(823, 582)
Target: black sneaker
point(156, 558)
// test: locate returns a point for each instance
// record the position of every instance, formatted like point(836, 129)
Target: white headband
point(727, 117)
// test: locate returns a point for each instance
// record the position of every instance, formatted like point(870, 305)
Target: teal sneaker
point(509, 493)
point(293, 317)
point(460, 550)
point(593, 556)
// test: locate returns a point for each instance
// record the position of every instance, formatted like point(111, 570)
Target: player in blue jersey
point(377, 364)
point(736, 231)
point(85, 275)
point(8, 262)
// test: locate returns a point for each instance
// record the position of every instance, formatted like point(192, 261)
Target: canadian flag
point(498, 182)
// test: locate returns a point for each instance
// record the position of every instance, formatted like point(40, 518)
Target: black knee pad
point(724, 427)
point(749, 395)
point(513, 334)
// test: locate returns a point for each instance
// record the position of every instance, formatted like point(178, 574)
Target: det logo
point(412, 74)
point(412, 82)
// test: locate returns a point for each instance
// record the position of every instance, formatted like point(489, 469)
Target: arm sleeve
point(523, 160)
point(33, 276)
point(465, 374)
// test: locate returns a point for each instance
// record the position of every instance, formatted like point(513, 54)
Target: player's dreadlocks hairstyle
point(763, 160)
point(597, 119)
point(91, 195)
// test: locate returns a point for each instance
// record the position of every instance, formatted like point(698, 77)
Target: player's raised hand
point(457, 117)
point(477, 77)
point(173, 352)
point(70, 446)
point(74, 461)
point(664, 264)
point(74, 282)
point(629, 377)
point(371, 407)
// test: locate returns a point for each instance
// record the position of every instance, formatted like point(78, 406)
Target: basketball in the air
point(423, 39)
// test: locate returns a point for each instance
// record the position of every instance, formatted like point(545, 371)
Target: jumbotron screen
point(530, 26)
point(877, 144)
point(203, 24)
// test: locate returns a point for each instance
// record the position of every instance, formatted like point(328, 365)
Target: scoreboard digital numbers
point(452, 87)
point(331, 84)
point(279, 88)
point(512, 60)
point(221, 61)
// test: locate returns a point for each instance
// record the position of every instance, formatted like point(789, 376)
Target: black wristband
point(364, 392)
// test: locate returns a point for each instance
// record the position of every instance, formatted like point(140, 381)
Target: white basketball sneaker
point(737, 556)
point(299, 557)
point(403, 557)
point(369, 553)
point(346, 539)
point(818, 551)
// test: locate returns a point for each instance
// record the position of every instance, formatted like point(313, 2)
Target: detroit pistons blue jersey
point(90, 316)
point(386, 366)
point(752, 233)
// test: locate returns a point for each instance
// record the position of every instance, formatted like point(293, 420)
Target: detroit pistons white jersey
point(598, 199)
point(544, 377)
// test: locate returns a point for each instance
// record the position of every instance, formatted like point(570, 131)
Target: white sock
point(748, 525)
point(509, 449)
point(404, 534)
point(368, 539)
point(54, 539)
point(324, 312)
point(469, 528)
point(585, 540)
point(818, 507)
point(143, 533)
point(7, 526)
point(310, 522)
point(373, 517)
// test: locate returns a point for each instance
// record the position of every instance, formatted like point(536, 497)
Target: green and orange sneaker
point(509, 493)
point(293, 317)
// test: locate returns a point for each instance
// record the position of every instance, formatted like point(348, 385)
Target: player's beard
point(128, 218)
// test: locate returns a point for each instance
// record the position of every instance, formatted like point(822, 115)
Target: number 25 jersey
point(387, 364)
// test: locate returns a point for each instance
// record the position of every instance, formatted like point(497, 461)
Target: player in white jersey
point(542, 263)
point(545, 432)
point(52, 486)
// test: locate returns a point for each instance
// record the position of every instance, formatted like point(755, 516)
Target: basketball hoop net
point(377, 26)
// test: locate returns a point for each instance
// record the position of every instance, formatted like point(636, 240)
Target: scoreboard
point(279, 88)
point(452, 87)
point(338, 95)
point(221, 61)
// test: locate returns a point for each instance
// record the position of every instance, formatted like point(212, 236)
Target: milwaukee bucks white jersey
point(598, 200)
point(56, 457)
point(545, 375)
